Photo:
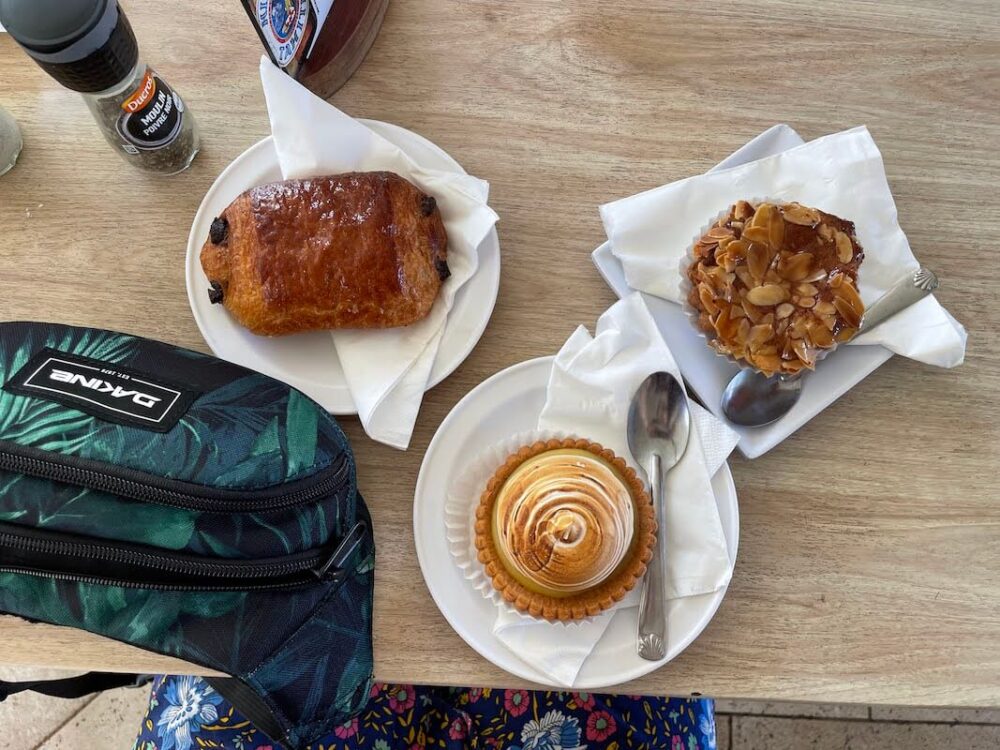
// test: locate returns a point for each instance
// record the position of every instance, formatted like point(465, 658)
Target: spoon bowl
point(752, 399)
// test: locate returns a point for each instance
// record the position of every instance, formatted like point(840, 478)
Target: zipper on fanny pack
point(145, 487)
point(68, 557)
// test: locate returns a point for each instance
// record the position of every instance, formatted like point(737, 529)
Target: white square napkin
point(652, 232)
point(386, 370)
point(589, 392)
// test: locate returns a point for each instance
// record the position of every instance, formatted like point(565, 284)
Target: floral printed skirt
point(185, 713)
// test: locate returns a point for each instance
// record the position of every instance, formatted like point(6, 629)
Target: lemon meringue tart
point(564, 529)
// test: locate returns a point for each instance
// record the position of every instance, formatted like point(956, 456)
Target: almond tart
point(775, 285)
point(564, 529)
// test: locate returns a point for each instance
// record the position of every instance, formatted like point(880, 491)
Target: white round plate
point(508, 403)
point(308, 361)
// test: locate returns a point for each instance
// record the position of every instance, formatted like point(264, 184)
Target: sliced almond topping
point(742, 332)
point(836, 279)
point(736, 248)
point(803, 352)
point(719, 233)
point(797, 267)
point(758, 234)
point(845, 250)
point(806, 302)
point(818, 275)
point(769, 294)
point(742, 210)
point(737, 311)
point(848, 313)
point(727, 261)
point(759, 335)
point(707, 299)
point(758, 259)
point(849, 294)
point(825, 308)
point(764, 215)
point(819, 335)
point(846, 334)
point(753, 312)
point(743, 274)
point(777, 232)
point(766, 363)
point(784, 310)
point(826, 232)
point(807, 290)
point(796, 213)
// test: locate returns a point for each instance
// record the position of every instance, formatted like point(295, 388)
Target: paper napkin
point(386, 370)
point(842, 174)
point(589, 392)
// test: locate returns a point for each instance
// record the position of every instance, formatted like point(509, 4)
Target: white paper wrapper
point(460, 519)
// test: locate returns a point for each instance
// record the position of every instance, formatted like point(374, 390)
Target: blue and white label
point(283, 23)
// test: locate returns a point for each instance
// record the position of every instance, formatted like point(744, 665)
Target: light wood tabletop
point(869, 562)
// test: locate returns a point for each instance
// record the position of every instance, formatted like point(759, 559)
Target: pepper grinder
point(88, 46)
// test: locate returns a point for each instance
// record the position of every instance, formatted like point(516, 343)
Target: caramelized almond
point(718, 233)
point(806, 302)
point(743, 274)
point(758, 234)
point(848, 313)
point(764, 215)
point(707, 299)
point(784, 310)
point(742, 210)
point(846, 334)
point(849, 294)
point(758, 336)
point(796, 213)
point(845, 250)
point(797, 267)
point(807, 290)
point(769, 294)
point(758, 259)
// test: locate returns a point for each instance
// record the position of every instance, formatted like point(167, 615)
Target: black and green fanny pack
point(191, 507)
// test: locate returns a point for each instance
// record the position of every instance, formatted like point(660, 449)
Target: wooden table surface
point(869, 565)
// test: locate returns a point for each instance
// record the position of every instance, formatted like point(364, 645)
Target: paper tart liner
point(463, 510)
point(692, 314)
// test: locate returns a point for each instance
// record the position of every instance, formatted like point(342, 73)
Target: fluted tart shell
point(603, 594)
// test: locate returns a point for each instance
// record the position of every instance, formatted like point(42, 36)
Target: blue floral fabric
point(185, 713)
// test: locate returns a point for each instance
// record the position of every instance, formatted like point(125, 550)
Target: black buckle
point(334, 567)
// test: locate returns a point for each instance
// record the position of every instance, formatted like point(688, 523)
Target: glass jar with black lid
point(88, 46)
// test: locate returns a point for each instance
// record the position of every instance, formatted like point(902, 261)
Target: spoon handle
point(652, 643)
point(906, 292)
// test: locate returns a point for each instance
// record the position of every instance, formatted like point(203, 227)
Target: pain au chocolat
point(356, 250)
point(776, 285)
point(564, 529)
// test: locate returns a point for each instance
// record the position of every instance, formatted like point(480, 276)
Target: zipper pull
point(333, 568)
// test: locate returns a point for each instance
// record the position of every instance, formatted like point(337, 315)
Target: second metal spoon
point(752, 399)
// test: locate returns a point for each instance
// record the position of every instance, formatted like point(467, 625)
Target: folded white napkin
point(843, 174)
point(386, 370)
point(589, 392)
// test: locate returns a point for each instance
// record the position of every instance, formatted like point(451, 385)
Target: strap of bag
point(74, 687)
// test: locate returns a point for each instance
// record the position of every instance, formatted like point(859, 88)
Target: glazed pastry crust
point(585, 603)
point(357, 250)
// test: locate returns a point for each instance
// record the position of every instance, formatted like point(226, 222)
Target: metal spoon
point(659, 425)
point(752, 399)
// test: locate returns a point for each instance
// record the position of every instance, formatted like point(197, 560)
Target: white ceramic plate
point(708, 374)
point(308, 361)
point(508, 403)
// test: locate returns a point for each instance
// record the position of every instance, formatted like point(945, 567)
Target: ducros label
point(284, 24)
point(151, 117)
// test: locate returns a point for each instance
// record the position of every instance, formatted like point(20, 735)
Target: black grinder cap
point(86, 45)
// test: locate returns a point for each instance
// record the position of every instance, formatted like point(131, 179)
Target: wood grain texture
point(869, 566)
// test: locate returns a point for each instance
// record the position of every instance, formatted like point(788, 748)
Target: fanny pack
point(191, 507)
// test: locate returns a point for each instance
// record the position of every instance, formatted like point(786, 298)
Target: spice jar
point(10, 141)
point(88, 46)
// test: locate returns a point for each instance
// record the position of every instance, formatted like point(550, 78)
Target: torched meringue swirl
point(563, 521)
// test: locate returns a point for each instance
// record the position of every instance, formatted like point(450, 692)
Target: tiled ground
point(110, 721)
